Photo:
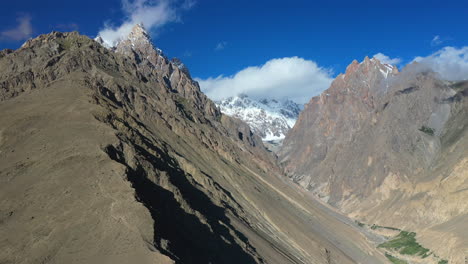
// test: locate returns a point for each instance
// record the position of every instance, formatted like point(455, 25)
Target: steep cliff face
point(115, 156)
point(387, 148)
point(330, 123)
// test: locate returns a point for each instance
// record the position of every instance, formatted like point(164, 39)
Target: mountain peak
point(366, 60)
point(139, 28)
point(352, 67)
point(368, 67)
point(138, 42)
point(139, 34)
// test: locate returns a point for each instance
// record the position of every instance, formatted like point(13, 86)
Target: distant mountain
point(271, 119)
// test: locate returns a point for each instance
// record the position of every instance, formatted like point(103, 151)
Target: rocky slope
point(115, 156)
point(388, 148)
point(271, 119)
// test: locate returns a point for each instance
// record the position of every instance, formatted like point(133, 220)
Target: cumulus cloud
point(436, 41)
point(22, 31)
point(385, 59)
point(221, 45)
point(294, 78)
point(451, 63)
point(153, 14)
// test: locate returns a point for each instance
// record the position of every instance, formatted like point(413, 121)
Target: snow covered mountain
point(269, 118)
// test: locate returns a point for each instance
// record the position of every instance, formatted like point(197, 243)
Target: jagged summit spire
point(138, 44)
point(138, 36)
point(139, 31)
point(368, 66)
point(140, 25)
point(366, 59)
point(138, 41)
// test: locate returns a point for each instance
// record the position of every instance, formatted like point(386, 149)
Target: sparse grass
point(405, 243)
point(374, 227)
point(427, 130)
point(73, 42)
point(360, 224)
point(443, 261)
point(66, 44)
point(395, 260)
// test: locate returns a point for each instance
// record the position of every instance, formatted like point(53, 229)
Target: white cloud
point(152, 13)
point(451, 63)
point(294, 78)
point(385, 59)
point(221, 45)
point(21, 32)
point(436, 41)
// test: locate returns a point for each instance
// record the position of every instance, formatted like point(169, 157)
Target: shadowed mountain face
point(388, 148)
point(115, 156)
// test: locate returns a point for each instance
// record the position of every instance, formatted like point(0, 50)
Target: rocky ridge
point(115, 156)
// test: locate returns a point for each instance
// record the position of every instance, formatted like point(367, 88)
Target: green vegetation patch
point(395, 260)
point(427, 130)
point(405, 243)
point(443, 261)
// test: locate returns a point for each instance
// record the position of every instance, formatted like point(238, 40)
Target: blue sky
point(224, 37)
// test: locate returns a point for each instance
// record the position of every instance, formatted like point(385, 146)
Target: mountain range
point(114, 155)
